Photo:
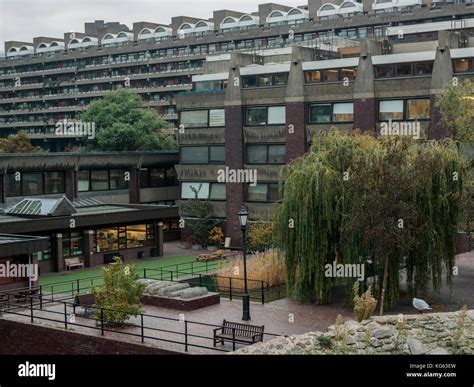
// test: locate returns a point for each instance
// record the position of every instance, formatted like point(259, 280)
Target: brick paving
point(283, 317)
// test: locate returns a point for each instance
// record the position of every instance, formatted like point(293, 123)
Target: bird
point(420, 305)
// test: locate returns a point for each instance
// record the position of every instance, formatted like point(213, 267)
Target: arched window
point(108, 37)
point(75, 41)
point(86, 40)
point(246, 18)
point(122, 35)
point(185, 26)
point(229, 20)
point(24, 48)
point(54, 44)
point(275, 14)
point(348, 4)
point(12, 49)
point(43, 45)
point(327, 7)
point(295, 11)
point(160, 29)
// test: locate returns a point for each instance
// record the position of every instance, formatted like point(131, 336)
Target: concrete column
point(57, 252)
point(3, 188)
point(70, 183)
point(442, 75)
point(159, 239)
point(88, 247)
point(134, 186)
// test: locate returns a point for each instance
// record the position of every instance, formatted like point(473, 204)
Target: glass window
point(157, 177)
point(257, 193)
point(264, 80)
point(216, 117)
point(257, 116)
point(72, 244)
point(423, 68)
point(276, 154)
point(273, 193)
point(32, 183)
point(256, 154)
point(136, 236)
point(462, 65)
point(171, 177)
point(83, 182)
point(194, 119)
point(350, 73)
point(320, 114)
point(189, 190)
point(276, 115)
point(343, 112)
point(107, 239)
point(13, 185)
point(313, 76)
point(117, 179)
point(99, 180)
point(404, 70)
point(280, 79)
point(217, 191)
point(194, 155)
point(418, 109)
point(250, 81)
point(54, 182)
point(391, 110)
point(331, 75)
point(384, 71)
point(217, 154)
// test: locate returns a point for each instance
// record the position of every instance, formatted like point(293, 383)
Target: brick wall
point(26, 339)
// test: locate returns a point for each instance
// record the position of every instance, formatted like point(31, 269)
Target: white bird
point(420, 305)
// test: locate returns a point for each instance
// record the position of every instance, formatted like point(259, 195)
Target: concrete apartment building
point(54, 78)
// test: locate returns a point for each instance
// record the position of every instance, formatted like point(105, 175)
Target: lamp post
point(243, 217)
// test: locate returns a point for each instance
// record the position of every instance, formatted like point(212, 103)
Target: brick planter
point(179, 304)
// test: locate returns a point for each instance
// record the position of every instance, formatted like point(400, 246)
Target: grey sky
point(24, 19)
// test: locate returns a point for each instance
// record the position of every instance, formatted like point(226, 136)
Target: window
point(265, 192)
point(158, 177)
point(463, 65)
point(194, 119)
point(189, 190)
point(423, 68)
point(107, 239)
point(32, 184)
point(418, 109)
point(266, 154)
point(13, 185)
point(136, 236)
point(331, 112)
point(217, 191)
point(384, 71)
point(72, 244)
point(404, 70)
point(203, 118)
point(391, 110)
point(349, 73)
point(260, 116)
point(313, 76)
point(54, 182)
point(331, 75)
point(101, 180)
point(265, 80)
point(202, 154)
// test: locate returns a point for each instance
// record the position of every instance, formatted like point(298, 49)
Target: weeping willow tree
point(388, 204)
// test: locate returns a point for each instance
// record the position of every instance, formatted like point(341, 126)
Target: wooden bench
point(73, 262)
point(85, 301)
point(238, 333)
point(216, 255)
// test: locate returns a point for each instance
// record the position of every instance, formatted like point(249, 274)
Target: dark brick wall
point(26, 339)
point(296, 141)
point(364, 114)
point(234, 156)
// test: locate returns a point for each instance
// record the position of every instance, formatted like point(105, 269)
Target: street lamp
point(243, 217)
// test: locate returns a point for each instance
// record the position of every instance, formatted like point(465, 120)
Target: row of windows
point(101, 180)
point(34, 183)
point(403, 70)
point(158, 177)
point(214, 154)
point(262, 192)
point(203, 118)
point(331, 75)
point(265, 80)
point(265, 115)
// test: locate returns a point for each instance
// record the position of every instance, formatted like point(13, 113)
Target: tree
point(120, 293)
point(18, 143)
point(388, 204)
point(123, 124)
point(198, 216)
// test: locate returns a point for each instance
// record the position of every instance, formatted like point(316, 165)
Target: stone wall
point(433, 333)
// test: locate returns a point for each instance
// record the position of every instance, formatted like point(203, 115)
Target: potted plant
point(216, 238)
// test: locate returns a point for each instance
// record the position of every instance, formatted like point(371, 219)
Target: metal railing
point(182, 332)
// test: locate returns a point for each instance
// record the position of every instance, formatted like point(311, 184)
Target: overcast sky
point(24, 19)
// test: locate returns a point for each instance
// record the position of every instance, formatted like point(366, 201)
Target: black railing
point(182, 332)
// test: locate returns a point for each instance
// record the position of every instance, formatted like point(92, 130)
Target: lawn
point(84, 276)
